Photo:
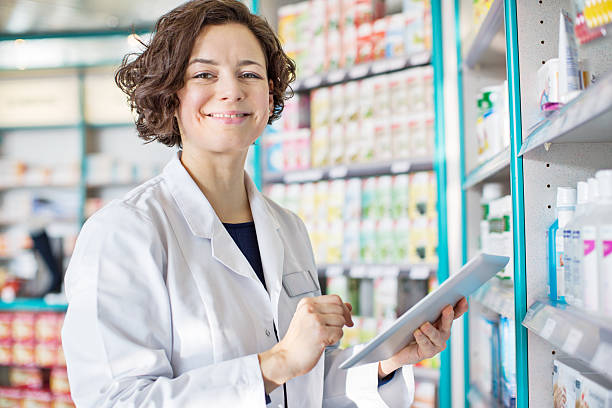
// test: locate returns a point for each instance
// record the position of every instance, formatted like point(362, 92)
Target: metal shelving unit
point(568, 146)
point(361, 71)
point(415, 271)
point(352, 170)
point(480, 40)
point(496, 167)
point(497, 296)
point(585, 119)
point(574, 332)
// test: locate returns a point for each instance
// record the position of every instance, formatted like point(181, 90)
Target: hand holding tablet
point(401, 333)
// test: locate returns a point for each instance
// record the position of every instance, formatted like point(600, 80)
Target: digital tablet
point(473, 274)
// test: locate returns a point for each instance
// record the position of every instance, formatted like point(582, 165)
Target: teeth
point(223, 115)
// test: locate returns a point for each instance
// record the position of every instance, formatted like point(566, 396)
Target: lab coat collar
point(193, 204)
point(196, 208)
point(204, 222)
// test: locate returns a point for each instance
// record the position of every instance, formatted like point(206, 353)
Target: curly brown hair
point(151, 79)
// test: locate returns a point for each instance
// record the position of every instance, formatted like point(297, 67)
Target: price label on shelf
point(336, 76)
point(391, 271)
point(358, 271)
point(375, 271)
point(303, 176)
point(572, 341)
point(400, 167)
point(418, 272)
point(420, 58)
point(380, 67)
point(548, 328)
point(396, 63)
point(358, 71)
point(313, 81)
point(338, 172)
point(334, 270)
point(602, 360)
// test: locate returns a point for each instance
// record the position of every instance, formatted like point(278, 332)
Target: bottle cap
point(593, 189)
point(491, 191)
point(604, 177)
point(582, 192)
point(566, 196)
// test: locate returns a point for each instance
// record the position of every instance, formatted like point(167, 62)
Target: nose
point(229, 89)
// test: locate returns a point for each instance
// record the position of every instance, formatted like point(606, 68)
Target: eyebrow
point(242, 63)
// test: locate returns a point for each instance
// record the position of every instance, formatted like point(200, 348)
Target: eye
point(250, 75)
point(203, 75)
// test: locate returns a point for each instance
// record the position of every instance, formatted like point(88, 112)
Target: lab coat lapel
point(271, 246)
point(202, 219)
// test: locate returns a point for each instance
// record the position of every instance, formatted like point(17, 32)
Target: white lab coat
point(165, 311)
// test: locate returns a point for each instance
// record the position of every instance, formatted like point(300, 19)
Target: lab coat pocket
point(300, 283)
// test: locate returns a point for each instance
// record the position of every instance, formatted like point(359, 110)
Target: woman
point(195, 289)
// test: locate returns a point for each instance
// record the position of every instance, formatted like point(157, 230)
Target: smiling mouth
point(226, 115)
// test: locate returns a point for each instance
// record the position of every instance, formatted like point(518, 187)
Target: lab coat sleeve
point(117, 334)
point(358, 386)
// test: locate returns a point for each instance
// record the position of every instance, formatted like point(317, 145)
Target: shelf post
point(518, 207)
point(444, 390)
point(464, 236)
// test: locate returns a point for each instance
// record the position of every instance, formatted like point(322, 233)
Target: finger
point(425, 345)
point(335, 299)
point(434, 335)
point(349, 306)
point(331, 308)
point(331, 320)
point(446, 319)
point(461, 307)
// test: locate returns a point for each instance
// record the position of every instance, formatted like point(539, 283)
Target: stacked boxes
point(323, 35)
point(386, 219)
point(373, 120)
point(29, 343)
point(576, 385)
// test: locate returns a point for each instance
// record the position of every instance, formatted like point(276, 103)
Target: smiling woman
point(152, 79)
point(195, 289)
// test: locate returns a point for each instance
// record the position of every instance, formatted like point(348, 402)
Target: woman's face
point(225, 102)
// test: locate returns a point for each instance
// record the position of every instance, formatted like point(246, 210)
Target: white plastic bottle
point(603, 245)
point(566, 284)
point(566, 202)
point(589, 270)
point(574, 282)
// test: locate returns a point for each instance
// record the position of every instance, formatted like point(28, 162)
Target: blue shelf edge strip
point(444, 396)
point(31, 305)
point(518, 207)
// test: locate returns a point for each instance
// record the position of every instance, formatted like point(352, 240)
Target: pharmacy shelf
point(489, 169)
point(36, 186)
point(39, 127)
point(498, 296)
point(7, 222)
point(352, 170)
point(361, 71)
point(426, 374)
point(110, 125)
point(415, 271)
point(587, 118)
point(114, 184)
point(481, 39)
point(32, 305)
point(479, 399)
point(576, 333)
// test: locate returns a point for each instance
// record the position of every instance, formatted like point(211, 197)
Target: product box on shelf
point(30, 378)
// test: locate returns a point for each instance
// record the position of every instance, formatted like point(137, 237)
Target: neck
point(221, 180)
